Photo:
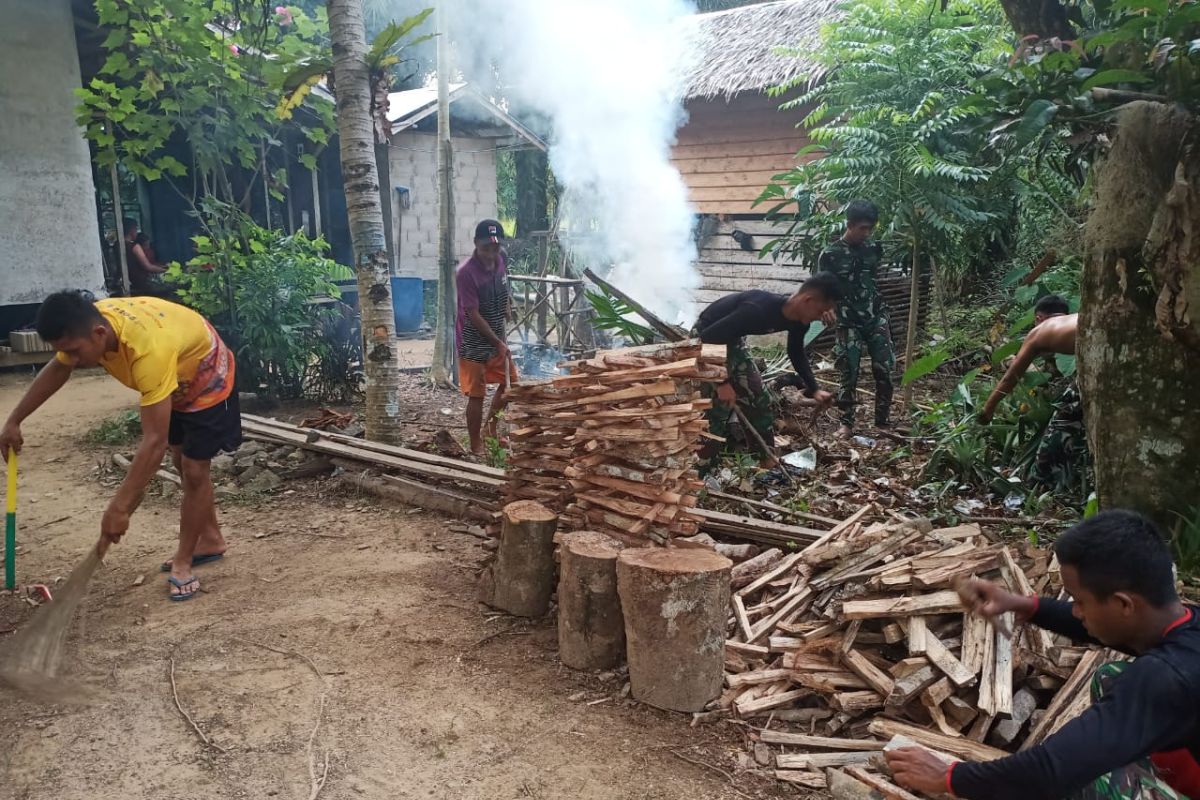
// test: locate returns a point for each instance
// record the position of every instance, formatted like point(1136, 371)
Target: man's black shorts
point(203, 434)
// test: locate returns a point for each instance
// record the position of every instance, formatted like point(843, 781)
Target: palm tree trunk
point(914, 317)
point(361, 178)
point(445, 353)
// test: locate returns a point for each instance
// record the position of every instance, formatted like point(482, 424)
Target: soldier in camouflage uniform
point(862, 320)
point(1064, 444)
point(729, 321)
point(1139, 738)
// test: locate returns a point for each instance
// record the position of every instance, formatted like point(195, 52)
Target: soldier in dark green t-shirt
point(861, 318)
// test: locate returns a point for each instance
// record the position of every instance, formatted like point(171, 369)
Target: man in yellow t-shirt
point(185, 374)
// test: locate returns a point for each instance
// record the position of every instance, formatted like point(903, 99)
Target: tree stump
point(591, 630)
point(675, 602)
point(521, 579)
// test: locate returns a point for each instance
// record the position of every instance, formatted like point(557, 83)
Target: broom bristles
point(34, 656)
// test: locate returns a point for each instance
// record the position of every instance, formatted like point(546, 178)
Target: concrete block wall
point(49, 236)
point(413, 160)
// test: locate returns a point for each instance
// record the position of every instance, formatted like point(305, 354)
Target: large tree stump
point(591, 630)
point(521, 579)
point(675, 603)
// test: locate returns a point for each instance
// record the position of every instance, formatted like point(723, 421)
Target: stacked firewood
point(860, 637)
point(613, 444)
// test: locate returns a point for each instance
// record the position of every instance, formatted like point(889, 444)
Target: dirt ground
point(426, 693)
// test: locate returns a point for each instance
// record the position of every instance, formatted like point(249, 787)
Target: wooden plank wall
point(727, 152)
point(725, 267)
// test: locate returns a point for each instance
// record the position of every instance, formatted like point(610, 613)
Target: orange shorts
point(475, 376)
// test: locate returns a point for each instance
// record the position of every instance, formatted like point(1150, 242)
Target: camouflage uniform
point(752, 398)
point(862, 325)
point(1137, 781)
point(1063, 449)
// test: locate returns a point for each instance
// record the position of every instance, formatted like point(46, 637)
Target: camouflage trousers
point(753, 399)
point(876, 339)
point(1137, 781)
point(1063, 448)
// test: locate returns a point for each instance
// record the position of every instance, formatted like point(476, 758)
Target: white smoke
point(605, 74)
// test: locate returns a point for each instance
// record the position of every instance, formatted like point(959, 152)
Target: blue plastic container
point(408, 301)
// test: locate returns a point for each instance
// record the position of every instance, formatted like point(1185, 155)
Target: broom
point(33, 657)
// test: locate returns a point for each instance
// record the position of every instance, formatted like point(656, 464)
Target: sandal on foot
point(182, 587)
point(196, 561)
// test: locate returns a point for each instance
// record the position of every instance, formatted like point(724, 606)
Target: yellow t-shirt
point(166, 350)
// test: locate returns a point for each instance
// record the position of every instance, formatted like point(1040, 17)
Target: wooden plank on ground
point(955, 746)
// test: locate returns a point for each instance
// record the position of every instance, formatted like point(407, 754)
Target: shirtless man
point(1053, 333)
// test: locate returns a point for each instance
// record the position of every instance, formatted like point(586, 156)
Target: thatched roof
point(734, 51)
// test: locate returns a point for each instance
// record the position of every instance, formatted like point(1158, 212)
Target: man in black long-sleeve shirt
point(1141, 736)
point(731, 319)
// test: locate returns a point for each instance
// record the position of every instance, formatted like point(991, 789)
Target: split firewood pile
point(612, 446)
point(860, 637)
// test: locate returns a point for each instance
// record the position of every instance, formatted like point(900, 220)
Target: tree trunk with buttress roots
point(1139, 322)
point(361, 179)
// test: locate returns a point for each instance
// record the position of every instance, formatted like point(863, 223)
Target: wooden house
point(736, 138)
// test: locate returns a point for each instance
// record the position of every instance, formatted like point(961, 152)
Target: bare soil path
point(427, 695)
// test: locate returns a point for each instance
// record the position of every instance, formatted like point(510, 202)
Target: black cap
point(489, 231)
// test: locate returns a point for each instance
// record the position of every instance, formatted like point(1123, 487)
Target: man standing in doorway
point(185, 374)
point(483, 309)
point(861, 317)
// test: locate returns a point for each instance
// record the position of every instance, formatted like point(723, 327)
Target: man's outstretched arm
point(1030, 350)
point(49, 380)
point(156, 423)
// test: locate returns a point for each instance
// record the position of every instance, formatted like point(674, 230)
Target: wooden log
point(820, 742)
point(416, 494)
point(908, 687)
point(1078, 683)
point(955, 746)
point(522, 577)
point(757, 676)
point(748, 707)
point(889, 790)
point(591, 629)
point(747, 571)
point(944, 660)
point(864, 669)
point(856, 702)
point(820, 760)
point(974, 637)
point(800, 777)
point(675, 603)
point(935, 603)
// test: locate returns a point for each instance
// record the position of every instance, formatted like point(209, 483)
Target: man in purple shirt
point(483, 306)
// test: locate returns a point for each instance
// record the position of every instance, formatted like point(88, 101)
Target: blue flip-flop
point(181, 585)
point(196, 561)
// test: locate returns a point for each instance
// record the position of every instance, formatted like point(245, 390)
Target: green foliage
point(1150, 47)
point(890, 122)
point(120, 429)
point(925, 365)
point(495, 456)
point(382, 59)
point(1185, 542)
point(269, 277)
point(613, 314)
point(204, 72)
point(997, 457)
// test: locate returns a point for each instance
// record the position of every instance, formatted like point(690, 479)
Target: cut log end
point(674, 603)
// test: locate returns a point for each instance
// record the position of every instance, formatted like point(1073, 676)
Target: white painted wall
point(49, 238)
point(414, 164)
